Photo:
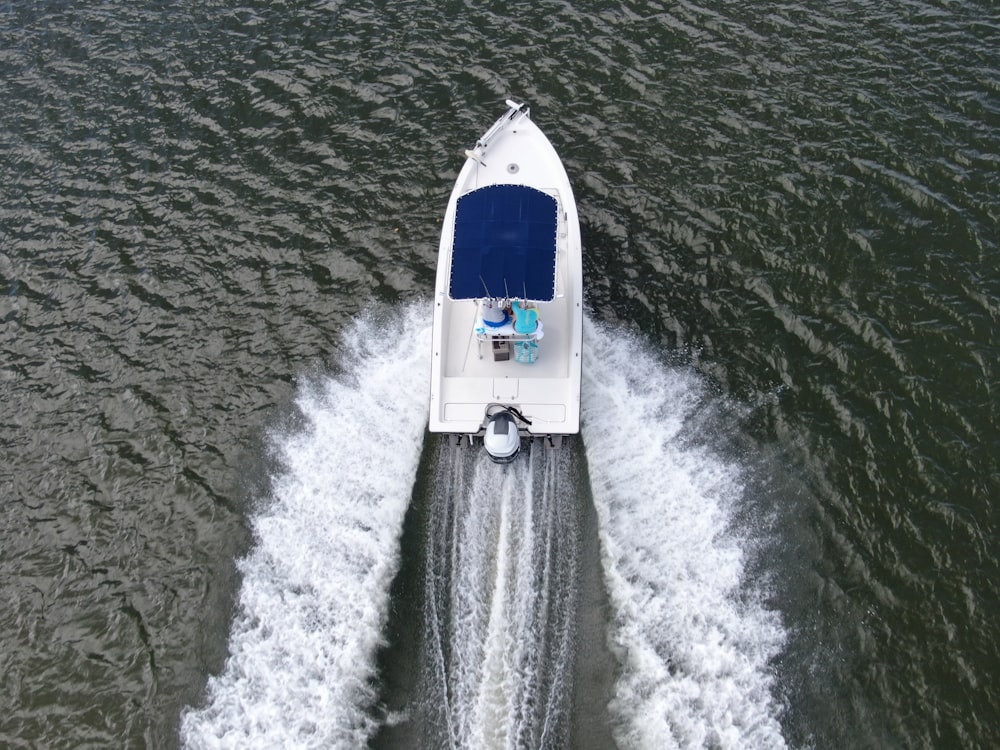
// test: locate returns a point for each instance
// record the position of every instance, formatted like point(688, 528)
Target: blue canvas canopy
point(505, 244)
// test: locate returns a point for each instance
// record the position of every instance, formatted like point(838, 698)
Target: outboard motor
point(502, 441)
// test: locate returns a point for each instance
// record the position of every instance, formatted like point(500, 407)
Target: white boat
point(508, 303)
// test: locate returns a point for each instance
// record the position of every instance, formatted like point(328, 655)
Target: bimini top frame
point(505, 244)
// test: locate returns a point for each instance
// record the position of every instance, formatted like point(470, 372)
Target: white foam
point(693, 640)
point(498, 605)
point(315, 592)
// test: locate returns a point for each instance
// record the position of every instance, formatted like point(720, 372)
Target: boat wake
point(500, 571)
point(315, 591)
point(693, 642)
point(499, 603)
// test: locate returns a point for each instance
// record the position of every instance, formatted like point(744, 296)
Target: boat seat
point(525, 318)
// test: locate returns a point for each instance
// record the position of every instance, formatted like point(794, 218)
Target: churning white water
point(501, 566)
point(500, 601)
point(693, 642)
point(315, 591)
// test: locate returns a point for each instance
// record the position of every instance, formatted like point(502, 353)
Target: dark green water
point(794, 204)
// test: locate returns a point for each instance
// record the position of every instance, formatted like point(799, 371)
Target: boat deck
point(466, 378)
point(471, 378)
point(469, 355)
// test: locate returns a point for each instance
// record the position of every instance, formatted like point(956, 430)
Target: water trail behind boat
point(500, 599)
point(693, 642)
point(315, 591)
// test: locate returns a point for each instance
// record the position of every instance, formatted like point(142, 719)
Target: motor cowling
point(502, 441)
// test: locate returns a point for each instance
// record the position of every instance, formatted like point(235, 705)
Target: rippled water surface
point(789, 213)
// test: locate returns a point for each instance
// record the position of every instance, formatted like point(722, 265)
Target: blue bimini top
point(505, 244)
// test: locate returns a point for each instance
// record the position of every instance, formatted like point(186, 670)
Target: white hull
point(466, 377)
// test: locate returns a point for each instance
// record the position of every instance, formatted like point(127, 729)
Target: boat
point(507, 342)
